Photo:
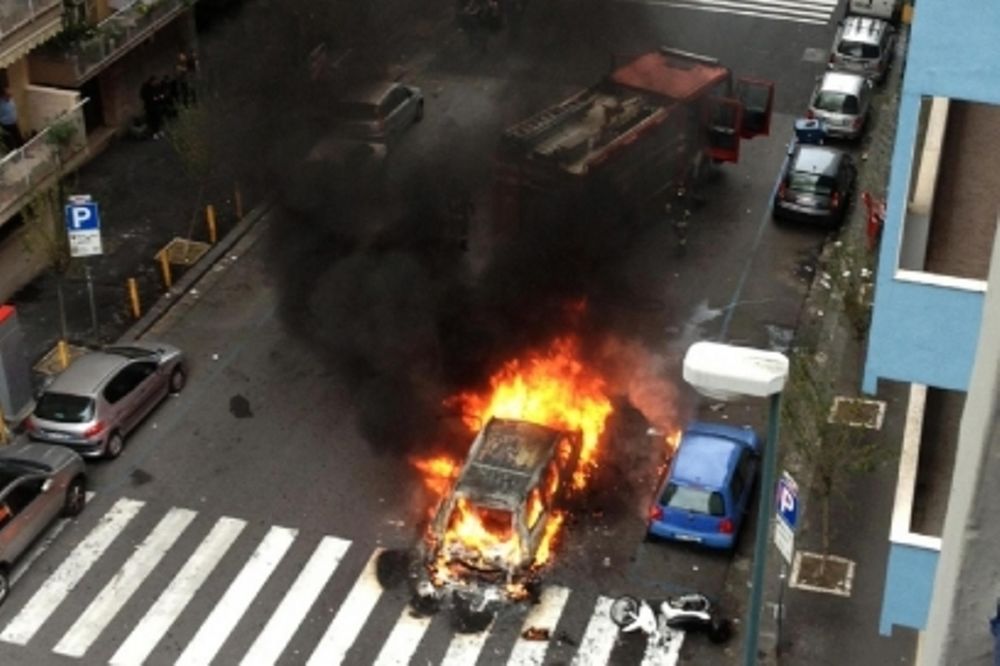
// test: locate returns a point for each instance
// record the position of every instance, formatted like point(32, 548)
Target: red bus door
point(757, 98)
point(723, 120)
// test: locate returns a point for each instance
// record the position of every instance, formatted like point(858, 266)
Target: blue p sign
point(82, 217)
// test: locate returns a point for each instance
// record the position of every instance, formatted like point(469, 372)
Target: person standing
point(151, 105)
point(8, 121)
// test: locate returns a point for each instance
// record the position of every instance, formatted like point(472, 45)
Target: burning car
point(492, 532)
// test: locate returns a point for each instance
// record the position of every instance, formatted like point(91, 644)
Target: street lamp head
point(726, 372)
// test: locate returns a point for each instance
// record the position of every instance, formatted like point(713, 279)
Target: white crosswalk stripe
point(178, 594)
point(815, 12)
point(542, 617)
point(119, 590)
point(280, 613)
point(272, 641)
point(350, 619)
point(241, 592)
point(70, 572)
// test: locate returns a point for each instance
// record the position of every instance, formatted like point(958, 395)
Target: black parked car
point(816, 187)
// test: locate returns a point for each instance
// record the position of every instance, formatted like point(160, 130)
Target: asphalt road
point(259, 463)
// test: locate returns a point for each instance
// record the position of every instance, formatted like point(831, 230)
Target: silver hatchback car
point(379, 111)
point(37, 484)
point(863, 46)
point(842, 102)
point(103, 395)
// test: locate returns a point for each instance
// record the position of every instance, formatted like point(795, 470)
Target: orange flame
point(552, 388)
point(438, 472)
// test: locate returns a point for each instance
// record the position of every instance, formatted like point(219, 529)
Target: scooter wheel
point(624, 610)
point(720, 630)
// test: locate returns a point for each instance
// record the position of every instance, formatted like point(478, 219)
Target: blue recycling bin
point(809, 130)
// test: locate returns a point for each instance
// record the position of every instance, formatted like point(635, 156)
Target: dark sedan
point(816, 186)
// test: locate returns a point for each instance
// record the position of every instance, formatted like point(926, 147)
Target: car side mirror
point(47, 485)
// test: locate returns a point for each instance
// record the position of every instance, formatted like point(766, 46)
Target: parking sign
point(83, 226)
point(788, 500)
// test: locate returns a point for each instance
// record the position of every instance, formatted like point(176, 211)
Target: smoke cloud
point(364, 249)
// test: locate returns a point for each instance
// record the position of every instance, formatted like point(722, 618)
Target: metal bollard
point(165, 268)
point(133, 297)
point(213, 235)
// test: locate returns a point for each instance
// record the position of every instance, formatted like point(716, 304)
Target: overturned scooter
point(688, 612)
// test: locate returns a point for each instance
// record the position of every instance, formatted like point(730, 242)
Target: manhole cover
point(857, 412)
point(815, 55)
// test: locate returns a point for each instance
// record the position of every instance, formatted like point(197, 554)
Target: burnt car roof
point(507, 459)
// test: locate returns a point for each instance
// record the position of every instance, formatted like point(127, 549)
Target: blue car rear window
point(697, 500)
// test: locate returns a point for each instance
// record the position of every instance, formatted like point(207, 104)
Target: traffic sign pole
point(93, 301)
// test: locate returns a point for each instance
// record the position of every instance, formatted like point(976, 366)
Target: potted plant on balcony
point(114, 35)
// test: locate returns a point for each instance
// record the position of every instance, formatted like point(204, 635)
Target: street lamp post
point(725, 372)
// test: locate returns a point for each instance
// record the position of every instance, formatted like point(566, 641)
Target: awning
point(25, 39)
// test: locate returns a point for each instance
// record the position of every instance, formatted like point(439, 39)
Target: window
point(811, 183)
point(24, 494)
point(64, 408)
point(858, 50)
point(697, 500)
point(127, 379)
point(836, 102)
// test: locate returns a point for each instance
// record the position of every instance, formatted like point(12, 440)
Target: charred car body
point(491, 532)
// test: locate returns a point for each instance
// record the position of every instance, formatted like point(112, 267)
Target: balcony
point(70, 65)
point(926, 467)
point(26, 23)
point(61, 143)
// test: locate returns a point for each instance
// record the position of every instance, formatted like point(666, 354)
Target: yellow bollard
point(133, 297)
point(238, 201)
point(213, 235)
point(63, 349)
point(4, 433)
point(165, 268)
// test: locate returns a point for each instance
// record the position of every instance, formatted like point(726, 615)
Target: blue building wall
point(909, 582)
point(924, 333)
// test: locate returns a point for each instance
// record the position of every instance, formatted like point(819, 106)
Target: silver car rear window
point(858, 50)
point(65, 408)
point(836, 102)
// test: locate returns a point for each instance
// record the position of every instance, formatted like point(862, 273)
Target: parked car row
point(818, 182)
point(85, 411)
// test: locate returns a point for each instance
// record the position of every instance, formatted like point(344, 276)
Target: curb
point(194, 274)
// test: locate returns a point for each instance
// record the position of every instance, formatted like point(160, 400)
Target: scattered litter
point(535, 634)
point(838, 243)
point(215, 357)
point(396, 523)
point(694, 567)
point(606, 562)
point(234, 257)
point(864, 156)
point(193, 292)
point(865, 273)
point(846, 274)
point(819, 313)
point(154, 426)
point(717, 407)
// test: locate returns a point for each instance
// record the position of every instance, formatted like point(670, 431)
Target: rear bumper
point(714, 540)
point(792, 213)
point(87, 448)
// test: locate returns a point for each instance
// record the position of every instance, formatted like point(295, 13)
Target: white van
point(887, 10)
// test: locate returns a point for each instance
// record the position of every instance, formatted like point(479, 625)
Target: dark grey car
point(816, 186)
point(38, 483)
point(103, 395)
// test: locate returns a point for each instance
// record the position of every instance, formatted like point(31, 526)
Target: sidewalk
point(822, 629)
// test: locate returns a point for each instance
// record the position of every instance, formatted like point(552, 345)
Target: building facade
point(74, 69)
point(941, 219)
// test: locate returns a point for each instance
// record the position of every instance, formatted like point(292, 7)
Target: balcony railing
point(16, 13)
point(72, 64)
point(41, 158)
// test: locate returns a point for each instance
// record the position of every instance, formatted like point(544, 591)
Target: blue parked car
point(707, 490)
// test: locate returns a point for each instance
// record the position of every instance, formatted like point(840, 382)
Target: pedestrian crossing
point(814, 12)
point(150, 589)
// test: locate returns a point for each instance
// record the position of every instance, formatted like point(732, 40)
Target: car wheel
point(76, 497)
point(420, 112)
point(177, 380)
point(4, 584)
point(113, 447)
point(624, 610)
